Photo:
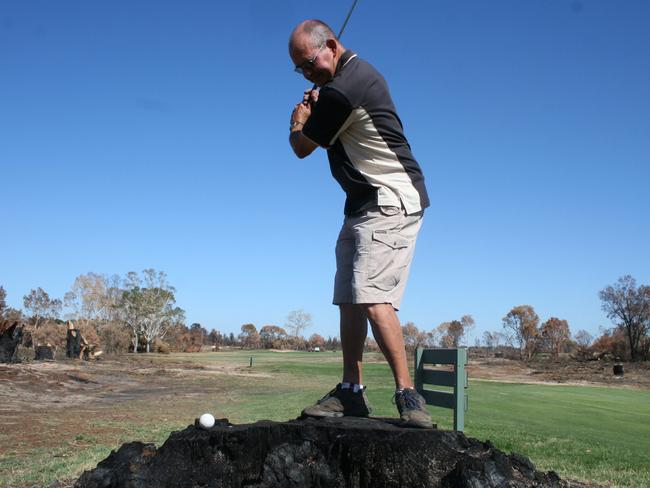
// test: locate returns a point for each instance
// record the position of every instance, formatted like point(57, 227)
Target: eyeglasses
point(309, 63)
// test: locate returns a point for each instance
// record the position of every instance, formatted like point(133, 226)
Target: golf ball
point(206, 420)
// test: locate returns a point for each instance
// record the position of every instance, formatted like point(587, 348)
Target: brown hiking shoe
point(339, 403)
point(412, 409)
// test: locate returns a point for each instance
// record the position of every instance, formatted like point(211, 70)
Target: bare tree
point(521, 325)
point(94, 298)
point(467, 321)
point(629, 308)
point(492, 339)
point(41, 307)
point(297, 322)
point(583, 338)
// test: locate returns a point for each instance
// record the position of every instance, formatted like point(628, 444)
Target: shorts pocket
point(390, 238)
point(387, 258)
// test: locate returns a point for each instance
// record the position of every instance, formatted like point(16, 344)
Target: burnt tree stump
point(46, 352)
point(344, 452)
point(9, 340)
point(73, 343)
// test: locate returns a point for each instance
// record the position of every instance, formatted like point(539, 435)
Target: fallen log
point(327, 453)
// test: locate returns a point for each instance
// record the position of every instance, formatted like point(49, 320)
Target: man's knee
point(377, 311)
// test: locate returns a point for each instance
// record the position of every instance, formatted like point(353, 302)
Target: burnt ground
point(570, 372)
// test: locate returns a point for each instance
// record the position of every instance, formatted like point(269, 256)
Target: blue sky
point(154, 134)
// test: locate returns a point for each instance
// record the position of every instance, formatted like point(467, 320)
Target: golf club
point(345, 23)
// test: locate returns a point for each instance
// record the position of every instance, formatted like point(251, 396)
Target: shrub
point(161, 347)
point(50, 333)
point(612, 342)
point(114, 339)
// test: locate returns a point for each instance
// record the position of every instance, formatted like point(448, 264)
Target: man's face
point(315, 62)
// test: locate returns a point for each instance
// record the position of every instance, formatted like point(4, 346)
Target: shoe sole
point(323, 414)
point(418, 425)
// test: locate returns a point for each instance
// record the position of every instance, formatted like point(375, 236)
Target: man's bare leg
point(388, 334)
point(347, 401)
point(354, 330)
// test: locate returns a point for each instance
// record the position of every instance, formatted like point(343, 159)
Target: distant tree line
point(287, 337)
point(522, 332)
point(138, 313)
point(625, 303)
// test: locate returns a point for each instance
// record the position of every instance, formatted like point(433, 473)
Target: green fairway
point(582, 432)
point(590, 433)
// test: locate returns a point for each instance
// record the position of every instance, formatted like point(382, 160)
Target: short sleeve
point(328, 117)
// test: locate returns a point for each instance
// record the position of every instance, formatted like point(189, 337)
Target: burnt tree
point(9, 340)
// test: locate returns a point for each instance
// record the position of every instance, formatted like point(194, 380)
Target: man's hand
point(310, 96)
point(302, 145)
point(300, 115)
point(302, 110)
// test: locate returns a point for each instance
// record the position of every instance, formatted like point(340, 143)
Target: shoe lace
point(329, 394)
point(406, 400)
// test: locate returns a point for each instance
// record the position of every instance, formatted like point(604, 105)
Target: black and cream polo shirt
point(356, 120)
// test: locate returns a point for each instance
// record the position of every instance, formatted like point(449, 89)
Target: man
point(353, 117)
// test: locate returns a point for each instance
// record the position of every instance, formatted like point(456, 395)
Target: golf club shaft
point(345, 23)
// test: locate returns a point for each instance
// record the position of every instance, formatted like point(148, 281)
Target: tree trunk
point(630, 336)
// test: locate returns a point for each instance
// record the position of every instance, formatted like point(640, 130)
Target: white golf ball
point(206, 420)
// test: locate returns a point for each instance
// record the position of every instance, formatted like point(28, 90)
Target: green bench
point(457, 379)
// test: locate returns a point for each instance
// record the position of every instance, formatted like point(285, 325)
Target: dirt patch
point(47, 384)
point(637, 375)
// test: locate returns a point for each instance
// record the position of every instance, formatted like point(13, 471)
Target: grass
point(590, 433)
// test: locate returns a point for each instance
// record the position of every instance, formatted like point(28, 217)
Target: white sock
point(353, 386)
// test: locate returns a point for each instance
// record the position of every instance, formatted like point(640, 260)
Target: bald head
point(315, 51)
point(310, 34)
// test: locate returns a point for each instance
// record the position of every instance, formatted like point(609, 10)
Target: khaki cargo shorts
point(373, 256)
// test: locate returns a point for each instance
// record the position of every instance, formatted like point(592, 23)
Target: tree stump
point(9, 340)
point(73, 344)
point(45, 352)
point(309, 453)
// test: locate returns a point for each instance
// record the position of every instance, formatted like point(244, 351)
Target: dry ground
point(637, 375)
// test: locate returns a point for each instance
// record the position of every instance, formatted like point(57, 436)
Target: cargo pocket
point(386, 258)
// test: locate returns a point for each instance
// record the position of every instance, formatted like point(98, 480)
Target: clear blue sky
point(154, 134)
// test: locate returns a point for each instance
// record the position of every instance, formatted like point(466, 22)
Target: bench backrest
point(457, 379)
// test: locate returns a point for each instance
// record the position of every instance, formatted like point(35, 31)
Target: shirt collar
point(343, 60)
